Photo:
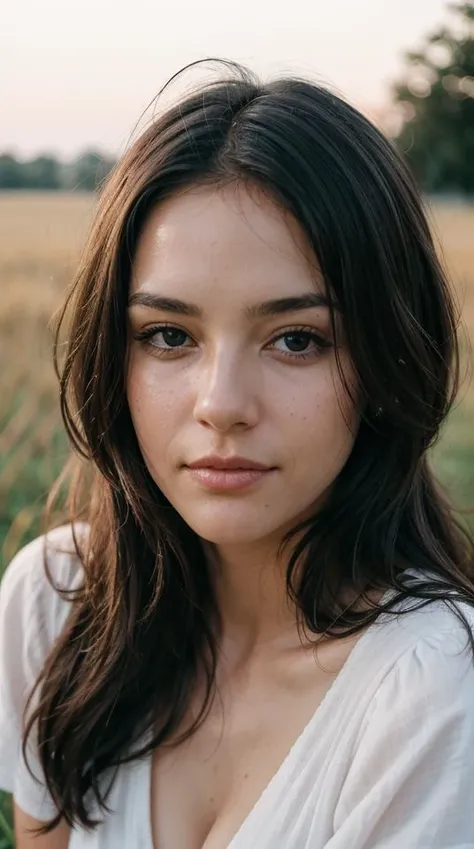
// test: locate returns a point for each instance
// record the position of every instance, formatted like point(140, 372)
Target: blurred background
point(80, 82)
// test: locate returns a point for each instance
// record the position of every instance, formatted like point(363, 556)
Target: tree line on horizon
point(434, 99)
point(47, 173)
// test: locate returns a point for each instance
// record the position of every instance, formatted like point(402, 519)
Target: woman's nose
point(227, 395)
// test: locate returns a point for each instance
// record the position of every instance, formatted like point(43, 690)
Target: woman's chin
point(224, 536)
point(239, 527)
point(233, 530)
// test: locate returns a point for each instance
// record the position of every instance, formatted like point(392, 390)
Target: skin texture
point(57, 839)
point(231, 386)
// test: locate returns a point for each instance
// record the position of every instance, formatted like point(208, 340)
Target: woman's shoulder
point(440, 623)
point(27, 595)
point(412, 759)
point(431, 653)
point(32, 614)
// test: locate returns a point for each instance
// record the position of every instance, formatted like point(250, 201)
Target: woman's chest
point(203, 791)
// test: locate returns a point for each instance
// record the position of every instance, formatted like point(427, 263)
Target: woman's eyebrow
point(292, 303)
point(276, 306)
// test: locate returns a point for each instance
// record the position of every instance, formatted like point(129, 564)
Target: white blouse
point(386, 762)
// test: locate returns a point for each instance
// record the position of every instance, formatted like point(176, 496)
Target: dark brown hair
point(126, 662)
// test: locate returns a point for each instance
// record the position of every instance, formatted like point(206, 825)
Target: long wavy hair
point(126, 662)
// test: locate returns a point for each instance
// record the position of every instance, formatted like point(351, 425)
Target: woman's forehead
point(213, 241)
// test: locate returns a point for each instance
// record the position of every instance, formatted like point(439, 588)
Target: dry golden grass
point(40, 240)
point(41, 236)
point(453, 227)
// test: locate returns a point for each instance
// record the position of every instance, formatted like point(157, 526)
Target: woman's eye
point(299, 343)
point(164, 338)
point(170, 337)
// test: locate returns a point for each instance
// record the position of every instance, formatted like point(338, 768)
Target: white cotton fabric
point(386, 762)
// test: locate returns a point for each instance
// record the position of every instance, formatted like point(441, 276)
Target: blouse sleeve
point(31, 616)
point(411, 780)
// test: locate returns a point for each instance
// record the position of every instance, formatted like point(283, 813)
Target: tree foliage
point(436, 98)
point(88, 171)
point(47, 173)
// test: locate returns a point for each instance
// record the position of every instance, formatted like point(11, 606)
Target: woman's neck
point(254, 608)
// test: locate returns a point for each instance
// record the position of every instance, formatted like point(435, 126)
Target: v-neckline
point(293, 754)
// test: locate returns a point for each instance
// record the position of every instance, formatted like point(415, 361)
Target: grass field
point(40, 239)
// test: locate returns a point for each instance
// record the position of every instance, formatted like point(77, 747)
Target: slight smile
point(228, 473)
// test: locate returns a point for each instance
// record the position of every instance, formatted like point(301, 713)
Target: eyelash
point(321, 344)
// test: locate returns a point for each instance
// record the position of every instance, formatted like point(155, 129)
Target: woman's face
point(231, 356)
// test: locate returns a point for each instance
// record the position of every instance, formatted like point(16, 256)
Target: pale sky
point(79, 73)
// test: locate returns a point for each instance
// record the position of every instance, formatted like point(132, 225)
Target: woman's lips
point(227, 479)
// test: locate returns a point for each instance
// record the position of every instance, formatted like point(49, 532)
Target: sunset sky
point(79, 74)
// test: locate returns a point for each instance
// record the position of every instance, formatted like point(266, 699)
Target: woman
point(261, 634)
